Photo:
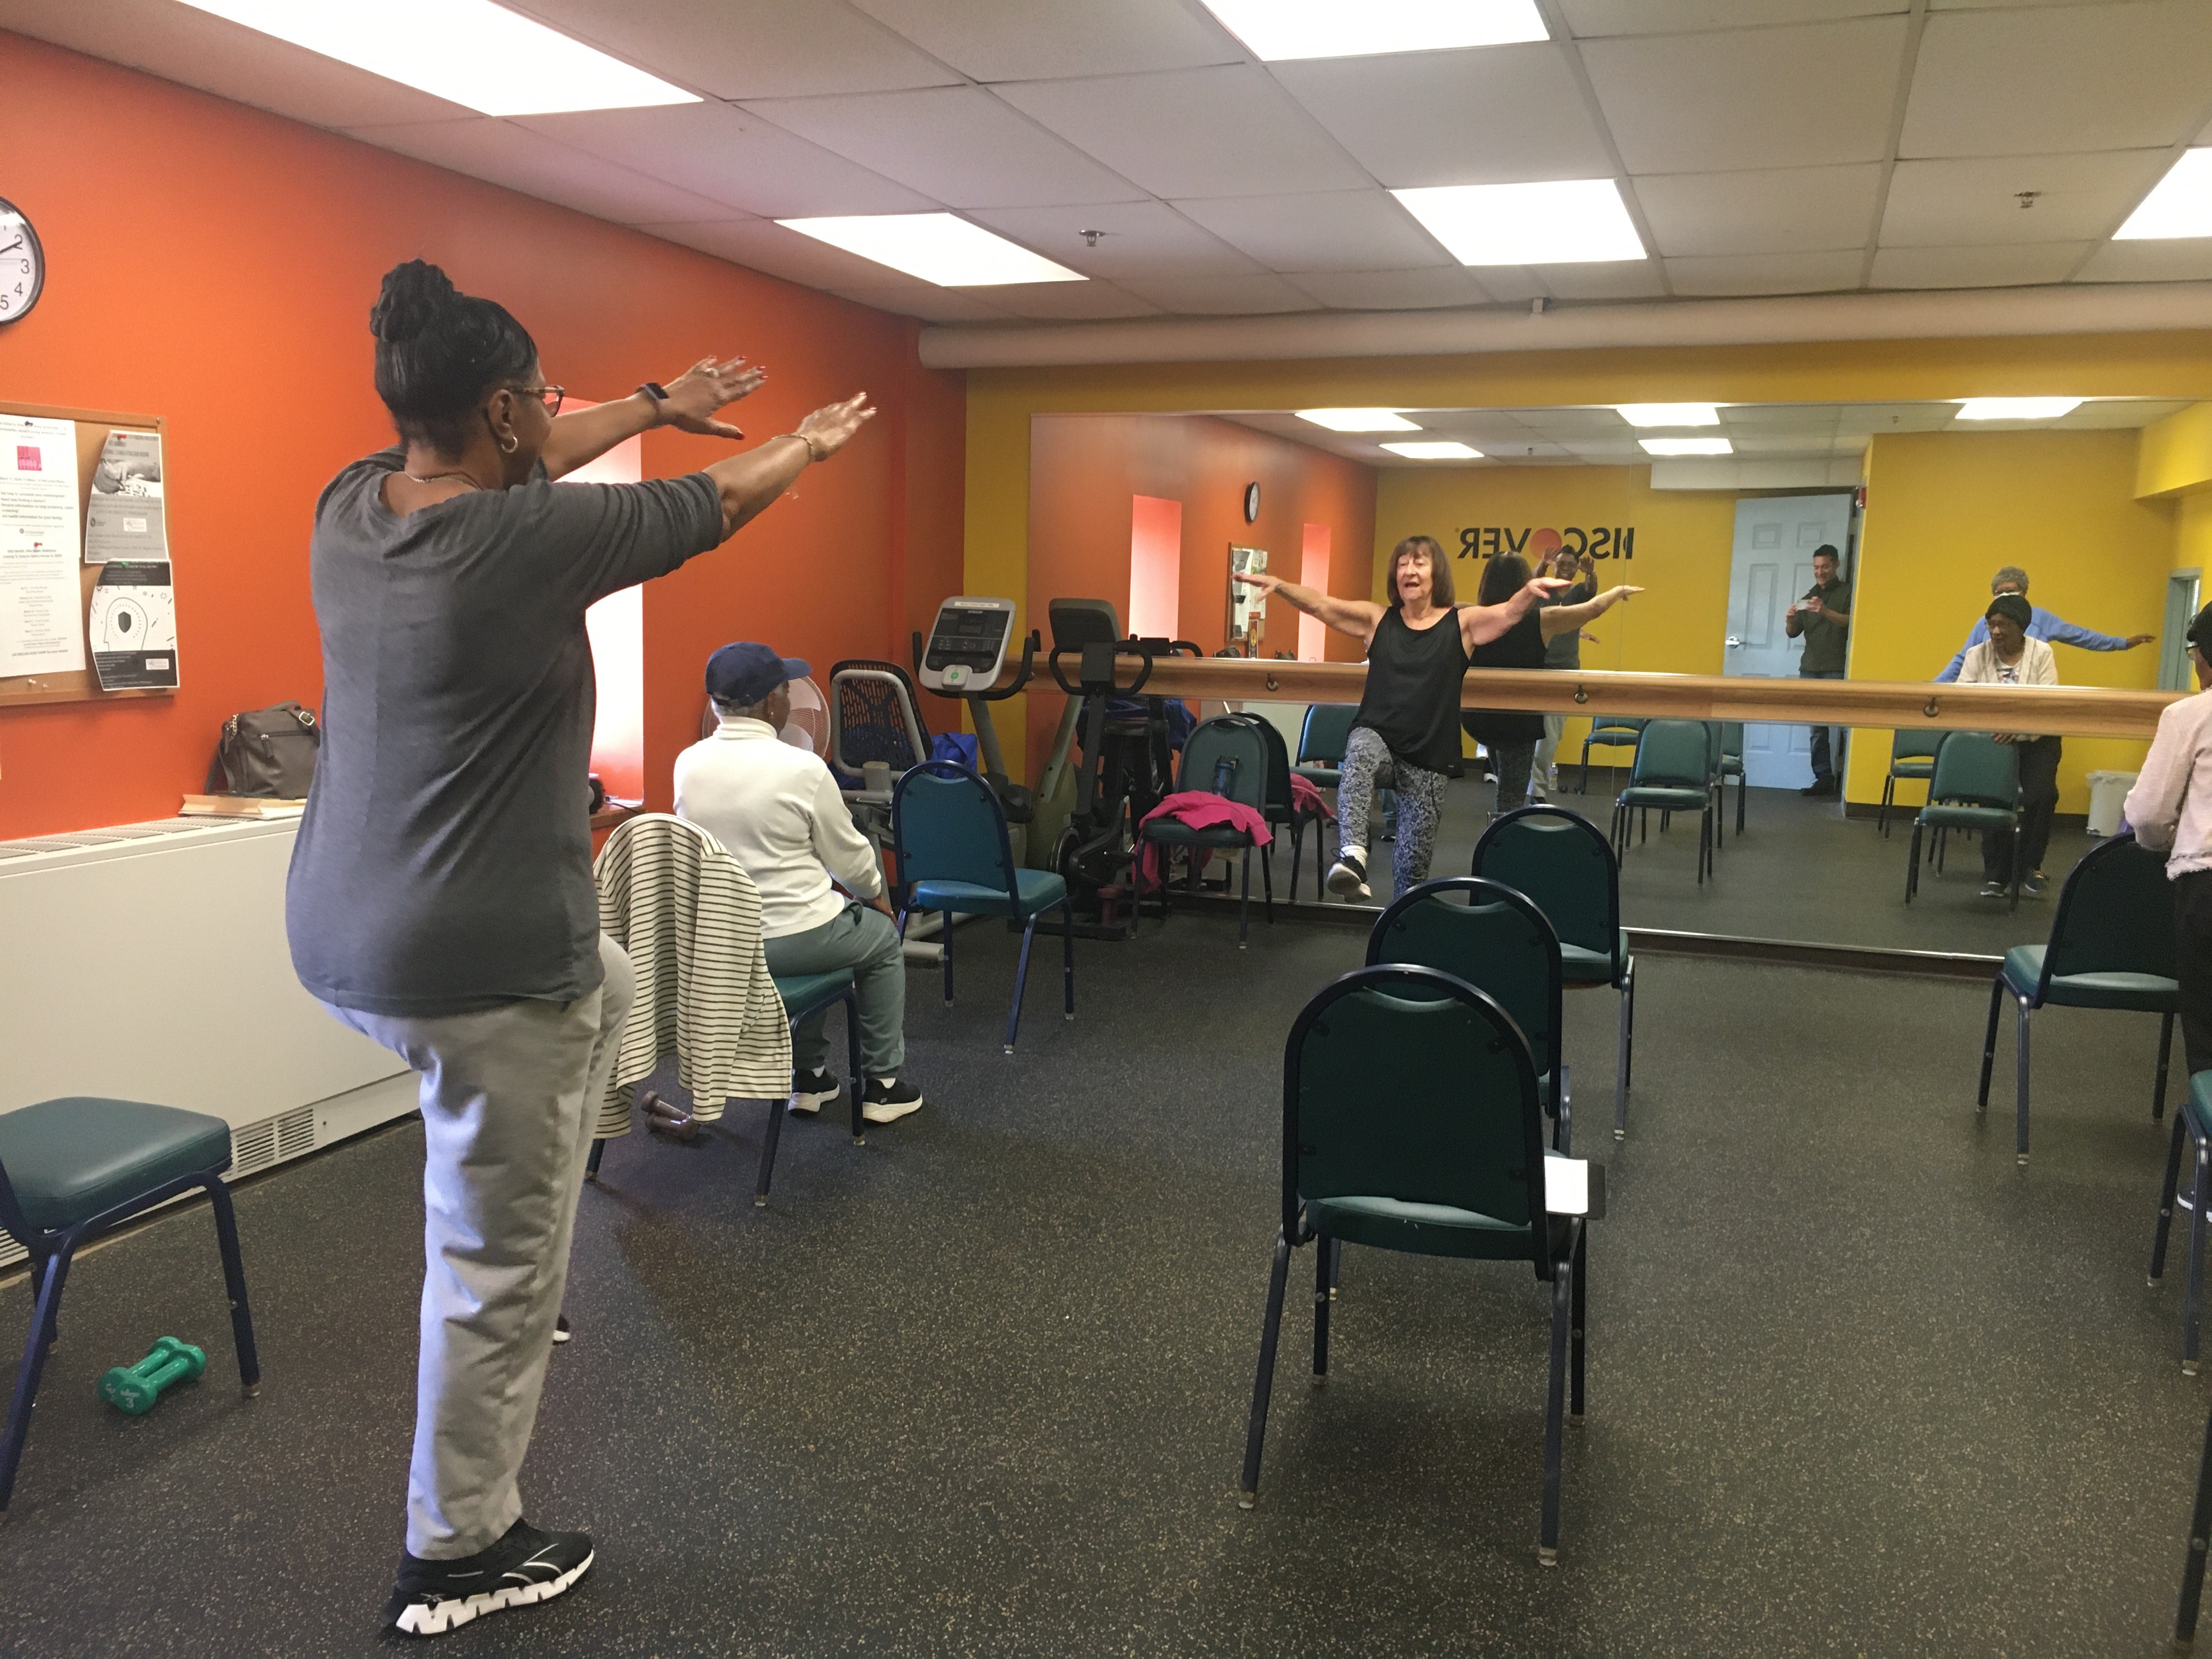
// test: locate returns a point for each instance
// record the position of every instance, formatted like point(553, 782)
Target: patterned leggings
point(1421, 805)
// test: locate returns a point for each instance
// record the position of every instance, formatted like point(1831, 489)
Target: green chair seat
point(1913, 768)
point(1322, 777)
point(1662, 795)
point(1038, 890)
point(1585, 966)
point(73, 1158)
point(2148, 994)
point(1968, 817)
point(1392, 1224)
point(1177, 833)
point(803, 994)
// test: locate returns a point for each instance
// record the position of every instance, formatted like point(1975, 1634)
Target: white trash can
point(2108, 792)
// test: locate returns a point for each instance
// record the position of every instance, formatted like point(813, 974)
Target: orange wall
point(225, 284)
point(1084, 468)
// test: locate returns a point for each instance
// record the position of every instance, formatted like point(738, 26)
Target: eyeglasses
point(550, 396)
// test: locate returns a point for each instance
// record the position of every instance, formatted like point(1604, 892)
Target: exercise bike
point(961, 660)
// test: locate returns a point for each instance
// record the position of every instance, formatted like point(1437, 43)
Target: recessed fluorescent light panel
point(1358, 419)
point(1435, 451)
point(2179, 204)
point(1669, 414)
point(938, 247)
point(468, 51)
point(1687, 445)
point(1576, 221)
point(1278, 30)
point(2015, 408)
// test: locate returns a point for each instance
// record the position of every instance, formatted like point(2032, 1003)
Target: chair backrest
point(1278, 767)
point(1489, 935)
point(874, 716)
point(1675, 753)
point(1921, 745)
point(1731, 737)
point(1227, 756)
point(1974, 768)
point(1621, 724)
point(2115, 914)
point(1327, 729)
point(947, 825)
point(1409, 1084)
point(1562, 862)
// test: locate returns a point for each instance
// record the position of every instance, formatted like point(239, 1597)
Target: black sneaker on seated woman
point(1348, 876)
point(525, 1566)
point(811, 1091)
point(888, 1099)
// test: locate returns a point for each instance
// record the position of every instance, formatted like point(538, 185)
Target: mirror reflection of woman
point(1417, 655)
point(2008, 656)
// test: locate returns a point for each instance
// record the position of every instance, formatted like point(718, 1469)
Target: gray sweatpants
point(1421, 805)
point(509, 1096)
point(868, 942)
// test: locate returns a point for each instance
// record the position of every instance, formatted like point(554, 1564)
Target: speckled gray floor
point(1859, 1385)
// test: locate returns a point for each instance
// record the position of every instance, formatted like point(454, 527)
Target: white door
point(1771, 565)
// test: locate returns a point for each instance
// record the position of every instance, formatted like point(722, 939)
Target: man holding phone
point(1823, 620)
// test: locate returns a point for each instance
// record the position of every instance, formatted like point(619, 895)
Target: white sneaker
point(1347, 877)
point(811, 1091)
point(888, 1099)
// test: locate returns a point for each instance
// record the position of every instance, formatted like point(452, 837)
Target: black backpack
point(268, 753)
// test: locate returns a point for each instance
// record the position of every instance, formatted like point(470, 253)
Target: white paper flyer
point(134, 627)
point(41, 612)
point(125, 516)
point(37, 482)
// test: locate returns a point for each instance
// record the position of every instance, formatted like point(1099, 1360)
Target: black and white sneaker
point(526, 1565)
point(888, 1099)
point(1994, 890)
point(811, 1091)
point(1347, 877)
point(560, 1329)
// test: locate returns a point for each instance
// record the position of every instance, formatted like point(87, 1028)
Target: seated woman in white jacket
point(777, 809)
point(2008, 656)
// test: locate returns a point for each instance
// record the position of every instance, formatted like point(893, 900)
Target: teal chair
point(2194, 1119)
point(1975, 785)
point(1676, 762)
point(1321, 741)
point(1226, 756)
point(73, 1169)
point(1609, 731)
point(955, 855)
point(1911, 755)
point(1731, 733)
point(1560, 860)
point(2111, 946)
point(1282, 811)
point(1413, 1121)
point(1497, 941)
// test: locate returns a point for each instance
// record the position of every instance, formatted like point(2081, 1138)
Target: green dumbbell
point(134, 1389)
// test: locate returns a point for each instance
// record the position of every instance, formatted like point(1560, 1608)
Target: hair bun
point(413, 296)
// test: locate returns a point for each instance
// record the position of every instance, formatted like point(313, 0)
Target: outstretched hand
point(708, 385)
point(1625, 592)
point(2135, 640)
point(1548, 586)
point(827, 428)
point(1259, 579)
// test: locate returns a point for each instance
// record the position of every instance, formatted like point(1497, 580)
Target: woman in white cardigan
point(2008, 656)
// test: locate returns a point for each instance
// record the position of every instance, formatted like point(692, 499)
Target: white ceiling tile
point(198, 50)
point(504, 154)
point(1878, 418)
point(1990, 5)
point(1935, 204)
point(1510, 284)
point(958, 144)
point(1521, 450)
point(763, 245)
point(1784, 440)
point(1066, 301)
point(1807, 95)
point(1569, 422)
point(1610, 279)
point(2030, 80)
point(1229, 131)
point(1501, 115)
point(1586, 18)
point(1761, 210)
point(726, 154)
point(1023, 40)
point(759, 49)
point(1612, 451)
point(2180, 259)
point(1394, 291)
point(2009, 266)
point(2120, 414)
point(1767, 273)
point(1798, 414)
point(1330, 230)
point(930, 303)
point(1220, 295)
point(1141, 239)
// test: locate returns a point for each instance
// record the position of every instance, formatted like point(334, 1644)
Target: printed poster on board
point(124, 518)
point(134, 627)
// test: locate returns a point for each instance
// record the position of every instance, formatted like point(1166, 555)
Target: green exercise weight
point(134, 1389)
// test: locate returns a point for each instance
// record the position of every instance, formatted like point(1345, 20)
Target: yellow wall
point(2192, 535)
point(1944, 509)
point(2175, 457)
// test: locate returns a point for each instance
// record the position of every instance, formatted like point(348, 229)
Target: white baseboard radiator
point(147, 962)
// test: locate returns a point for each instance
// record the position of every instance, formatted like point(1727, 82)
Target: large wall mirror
point(1717, 512)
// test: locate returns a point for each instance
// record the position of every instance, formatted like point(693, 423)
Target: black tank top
point(1520, 646)
point(1411, 699)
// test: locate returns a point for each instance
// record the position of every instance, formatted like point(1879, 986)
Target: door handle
point(1734, 643)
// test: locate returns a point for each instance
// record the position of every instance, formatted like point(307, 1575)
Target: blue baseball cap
point(746, 671)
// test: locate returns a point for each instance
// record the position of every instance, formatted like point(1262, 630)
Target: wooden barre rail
point(2083, 711)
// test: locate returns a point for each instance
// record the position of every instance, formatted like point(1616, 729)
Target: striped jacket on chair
point(690, 919)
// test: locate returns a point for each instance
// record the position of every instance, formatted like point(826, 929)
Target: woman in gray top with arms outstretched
point(441, 898)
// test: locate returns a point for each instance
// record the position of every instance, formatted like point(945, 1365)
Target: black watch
point(659, 393)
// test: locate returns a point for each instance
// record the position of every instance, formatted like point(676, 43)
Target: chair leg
point(2020, 1078)
point(234, 1281)
point(1320, 1310)
point(1742, 783)
point(1888, 794)
point(1244, 904)
point(43, 1313)
point(2193, 1301)
point(2192, 1573)
point(1913, 865)
point(1067, 955)
point(1563, 1135)
point(853, 1061)
point(1297, 854)
point(1990, 1044)
point(2165, 1196)
point(1021, 981)
point(771, 1133)
point(1622, 1081)
point(1268, 881)
point(1335, 1247)
point(2165, 1058)
point(591, 1163)
point(2013, 902)
point(1555, 1401)
point(1579, 1316)
point(1271, 1331)
point(945, 945)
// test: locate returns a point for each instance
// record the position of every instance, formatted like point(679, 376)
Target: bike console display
point(967, 644)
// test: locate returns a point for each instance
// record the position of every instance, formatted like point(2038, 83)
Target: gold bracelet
point(813, 454)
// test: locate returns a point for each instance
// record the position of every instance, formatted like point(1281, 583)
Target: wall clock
point(22, 263)
point(1251, 503)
